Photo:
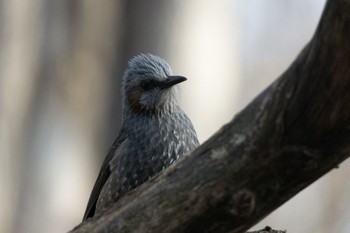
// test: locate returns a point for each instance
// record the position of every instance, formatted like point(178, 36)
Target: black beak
point(171, 81)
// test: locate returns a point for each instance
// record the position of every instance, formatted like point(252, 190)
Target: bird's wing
point(103, 176)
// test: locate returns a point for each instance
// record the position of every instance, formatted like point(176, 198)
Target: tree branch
point(268, 229)
point(290, 135)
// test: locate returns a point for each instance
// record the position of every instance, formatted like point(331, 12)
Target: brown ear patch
point(133, 97)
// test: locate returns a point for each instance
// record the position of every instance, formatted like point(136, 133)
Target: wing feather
point(103, 176)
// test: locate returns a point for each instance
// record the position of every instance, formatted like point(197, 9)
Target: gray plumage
point(155, 132)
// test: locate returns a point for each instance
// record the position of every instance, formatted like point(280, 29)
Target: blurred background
point(61, 64)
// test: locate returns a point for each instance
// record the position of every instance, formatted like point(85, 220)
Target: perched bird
point(155, 132)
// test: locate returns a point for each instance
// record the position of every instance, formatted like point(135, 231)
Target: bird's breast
point(162, 139)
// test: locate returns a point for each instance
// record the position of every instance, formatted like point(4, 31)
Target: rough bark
point(289, 136)
point(268, 229)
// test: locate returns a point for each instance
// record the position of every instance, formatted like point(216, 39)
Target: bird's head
point(149, 86)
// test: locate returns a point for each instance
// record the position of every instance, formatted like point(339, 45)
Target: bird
point(155, 132)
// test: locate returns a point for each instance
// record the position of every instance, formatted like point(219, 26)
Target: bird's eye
point(146, 86)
